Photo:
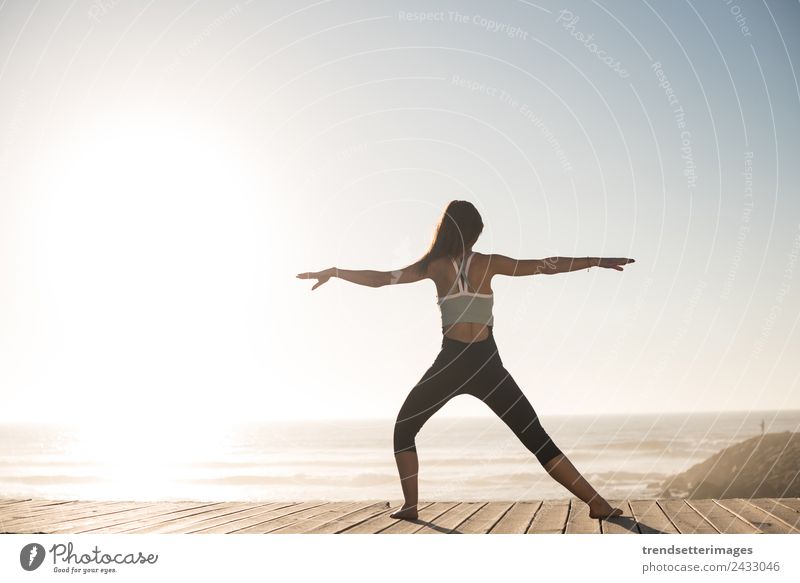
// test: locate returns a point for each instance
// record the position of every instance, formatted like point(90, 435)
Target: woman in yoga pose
point(469, 361)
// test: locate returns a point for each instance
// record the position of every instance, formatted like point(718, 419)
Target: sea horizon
point(461, 458)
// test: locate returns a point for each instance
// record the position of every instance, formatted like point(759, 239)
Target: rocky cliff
point(767, 466)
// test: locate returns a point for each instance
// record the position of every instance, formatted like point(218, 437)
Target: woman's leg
point(408, 467)
point(430, 394)
point(498, 389)
point(562, 471)
point(502, 394)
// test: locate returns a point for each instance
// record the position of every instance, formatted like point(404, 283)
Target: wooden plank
point(331, 512)
point(517, 519)
point(624, 524)
point(50, 522)
point(685, 518)
point(167, 523)
point(138, 516)
point(551, 518)
point(154, 523)
point(41, 501)
point(650, 518)
point(154, 517)
point(105, 520)
point(778, 510)
point(450, 521)
point(54, 518)
point(578, 521)
point(87, 508)
point(8, 501)
point(793, 503)
point(292, 518)
point(723, 519)
point(383, 520)
point(484, 519)
point(202, 523)
point(23, 509)
point(240, 524)
point(352, 518)
point(427, 515)
point(734, 515)
point(72, 509)
point(758, 517)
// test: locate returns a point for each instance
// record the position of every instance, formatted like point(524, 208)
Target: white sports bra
point(464, 305)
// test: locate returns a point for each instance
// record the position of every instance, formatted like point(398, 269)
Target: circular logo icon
point(31, 556)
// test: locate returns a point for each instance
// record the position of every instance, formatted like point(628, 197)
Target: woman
point(469, 362)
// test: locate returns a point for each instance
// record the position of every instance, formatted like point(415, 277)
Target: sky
point(167, 168)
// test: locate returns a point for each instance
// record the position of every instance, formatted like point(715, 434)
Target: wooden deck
point(736, 515)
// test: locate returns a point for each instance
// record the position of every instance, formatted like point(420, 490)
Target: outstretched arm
point(367, 277)
point(502, 265)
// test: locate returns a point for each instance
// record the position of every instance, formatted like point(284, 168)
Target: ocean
point(468, 458)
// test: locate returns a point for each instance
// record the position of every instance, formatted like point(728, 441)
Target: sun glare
point(146, 240)
point(143, 460)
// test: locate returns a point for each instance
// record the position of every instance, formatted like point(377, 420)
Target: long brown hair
point(458, 228)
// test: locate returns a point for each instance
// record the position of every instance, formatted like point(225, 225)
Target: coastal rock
point(766, 466)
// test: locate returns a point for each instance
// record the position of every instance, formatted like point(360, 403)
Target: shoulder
point(482, 259)
point(494, 263)
point(437, 266)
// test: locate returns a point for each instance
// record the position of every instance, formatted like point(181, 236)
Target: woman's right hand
point(321, 276)
point(614, 262)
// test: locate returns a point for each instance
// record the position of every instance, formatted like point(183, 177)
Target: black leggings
point(475, 369)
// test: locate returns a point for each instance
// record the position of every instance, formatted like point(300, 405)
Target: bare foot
point(603, 509)
point(405, 513)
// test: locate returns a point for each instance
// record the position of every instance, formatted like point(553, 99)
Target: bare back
point(443, 275)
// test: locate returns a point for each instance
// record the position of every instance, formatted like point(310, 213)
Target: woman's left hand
point(614, 263)
point(321, 276)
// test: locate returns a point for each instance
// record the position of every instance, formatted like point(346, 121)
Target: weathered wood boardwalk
point(674, 516)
